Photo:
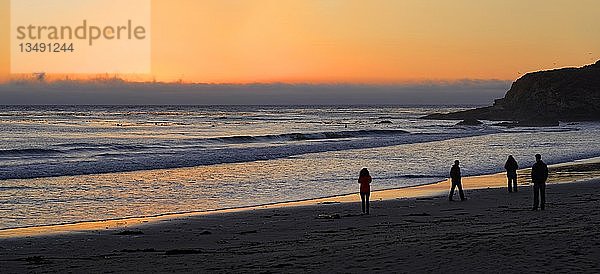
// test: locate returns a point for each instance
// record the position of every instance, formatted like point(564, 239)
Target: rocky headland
point(542, 98)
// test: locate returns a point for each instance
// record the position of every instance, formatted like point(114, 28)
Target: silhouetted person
point(539, 175)
point(511, 167)
point(364, 179)
point(455, 178)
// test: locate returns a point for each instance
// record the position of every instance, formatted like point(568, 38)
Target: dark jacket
point(511, 167)
point(539, 172)
point(455, 173)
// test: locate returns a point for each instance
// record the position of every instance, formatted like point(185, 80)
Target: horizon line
point(430, 81)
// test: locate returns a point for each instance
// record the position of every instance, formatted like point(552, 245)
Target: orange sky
point(377, 41)
point(4, 40)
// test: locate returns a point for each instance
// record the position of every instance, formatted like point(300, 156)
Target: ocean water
point(61, 164)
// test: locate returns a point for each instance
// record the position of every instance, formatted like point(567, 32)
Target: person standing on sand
point(364, 179)
point(539, 175)
point(455, 178)
point(511, 167)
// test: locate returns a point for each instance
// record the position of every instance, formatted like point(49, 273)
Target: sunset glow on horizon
point(334, 41)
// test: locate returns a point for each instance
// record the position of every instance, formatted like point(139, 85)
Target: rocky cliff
point(568, 94)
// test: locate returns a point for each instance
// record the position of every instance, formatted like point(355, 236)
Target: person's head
point(364, 172)
point(456, 162)
point(510, 157)
point(538, 157)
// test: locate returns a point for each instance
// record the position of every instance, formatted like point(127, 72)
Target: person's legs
point(367, 196)
point(543, 196)
point(515, 183)
point(536, 189)
point(509, 179)
point(452, 191)
point(362, 198)
point(460, 191)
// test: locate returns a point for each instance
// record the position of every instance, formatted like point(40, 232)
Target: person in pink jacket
point(364, 179)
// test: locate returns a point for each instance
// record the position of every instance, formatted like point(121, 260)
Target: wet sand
point(415, 229)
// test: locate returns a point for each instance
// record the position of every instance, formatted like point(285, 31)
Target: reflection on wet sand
point(560, 173)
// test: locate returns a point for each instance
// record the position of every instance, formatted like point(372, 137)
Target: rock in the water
point(469, 122)
point(545, 97)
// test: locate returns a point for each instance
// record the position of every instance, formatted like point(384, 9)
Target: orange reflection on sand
point(484, 181)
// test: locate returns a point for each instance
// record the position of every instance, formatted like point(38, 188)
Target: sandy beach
point(493, 231)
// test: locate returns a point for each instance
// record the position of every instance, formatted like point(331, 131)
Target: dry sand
point(493, 231)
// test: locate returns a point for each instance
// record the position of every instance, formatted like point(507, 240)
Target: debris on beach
point(329, 216)
point(129, 232)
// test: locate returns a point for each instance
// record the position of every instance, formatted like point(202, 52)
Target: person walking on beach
point(511, 167)
point(364, 179)
point(455, 178)
point(539, 175)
